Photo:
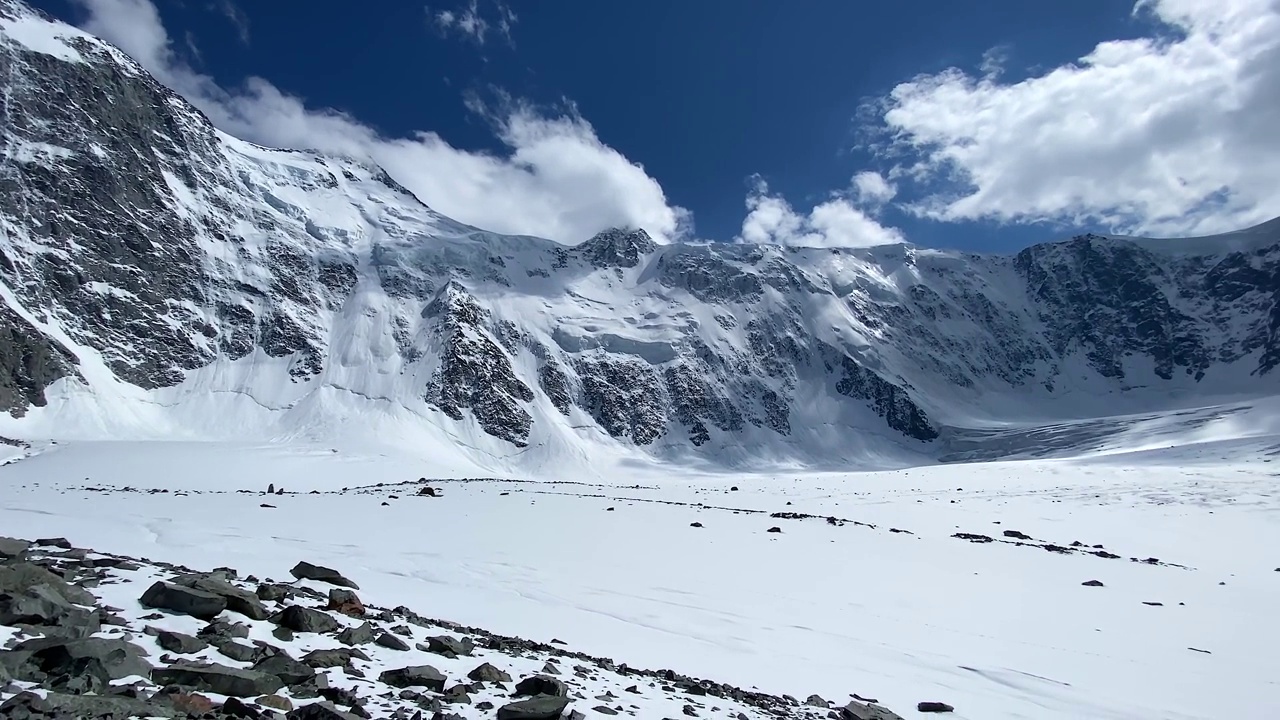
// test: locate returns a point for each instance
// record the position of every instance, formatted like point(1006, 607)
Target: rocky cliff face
point(141, 247)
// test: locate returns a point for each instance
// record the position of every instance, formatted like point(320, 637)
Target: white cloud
point(471, 22)
point(556, 178)
point(873, 189)
point(836, 222)
point(1161, 135)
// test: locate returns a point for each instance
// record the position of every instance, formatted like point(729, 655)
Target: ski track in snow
point(998, 630)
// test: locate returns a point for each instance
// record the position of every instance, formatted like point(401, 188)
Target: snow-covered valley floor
point(883, 601)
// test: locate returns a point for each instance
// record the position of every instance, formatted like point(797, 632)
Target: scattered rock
point(817, 701)
point(387, 640)
point(12, 547)
point(489, 673)
point(338, 657)
point(1092, 583)
point(180, 643)
point(290, 671)
point(271, 592)
point(238, 600)
point(934, 707)
point(414, 676)
point(856, 710)
point(541, 685)
point(695, 524)
point(220, 679)
point(450, 646)
point(303, 619)
point(1016, 534)
point(306, 571)
point(360, 635)
point(775, 529)
point(320, 711)
point(544, 707)
point(183, 600)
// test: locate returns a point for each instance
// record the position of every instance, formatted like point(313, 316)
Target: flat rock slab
point(118, 658)
point(12, 547)
point(543, 707)
point(303, 619)
point(17, 578)
point(183, 600)
point(306, 571)
point(415, 676)
point(220, 679)
point(29, 704)
point(867, 711)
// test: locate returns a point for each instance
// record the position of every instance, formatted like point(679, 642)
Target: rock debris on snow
point(190, 661)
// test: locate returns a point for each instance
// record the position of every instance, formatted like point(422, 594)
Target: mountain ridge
point(153, 267)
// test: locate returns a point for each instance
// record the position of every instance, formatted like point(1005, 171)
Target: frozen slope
point(885, 602)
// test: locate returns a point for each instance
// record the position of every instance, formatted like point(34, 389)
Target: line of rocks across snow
point(89, 634)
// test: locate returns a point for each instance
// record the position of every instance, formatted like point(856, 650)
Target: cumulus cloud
point(472, 22)
point(836, 222)
point(1169, 134)
point(555, 179)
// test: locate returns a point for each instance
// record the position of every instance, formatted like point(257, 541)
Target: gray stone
point(447, 645)
point(303, 619)
point(489, 673)
point(273, 592)
point(18, 577)
point(183, 600)
point(12, 547)
point(391, 642)
point(306, 571)
point(214, 678)
point(415, 676)
point(323, 710)
point(934, 707)
point(60, 706)
point(337, 657)
point(54, 656)
point(180, 643)
point(541, 685)
point(543, 707)
point(238, 599)
point(290, 671)
point(362, 634)
point(237, 651)
point(856, 710)
point(44, 606)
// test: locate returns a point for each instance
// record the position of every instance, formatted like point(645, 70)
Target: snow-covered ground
point(997, 629)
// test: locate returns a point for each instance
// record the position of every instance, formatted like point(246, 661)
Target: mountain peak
point(618, 247)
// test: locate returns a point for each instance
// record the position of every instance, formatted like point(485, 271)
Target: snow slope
point(997, 629)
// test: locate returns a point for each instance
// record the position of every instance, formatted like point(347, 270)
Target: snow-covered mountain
point(162, 279)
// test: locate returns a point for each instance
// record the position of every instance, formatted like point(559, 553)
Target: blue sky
point(756, 119)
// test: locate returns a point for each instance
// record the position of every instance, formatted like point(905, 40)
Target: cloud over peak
point(556, 178)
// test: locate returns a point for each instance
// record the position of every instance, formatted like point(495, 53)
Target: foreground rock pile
point(93, 635)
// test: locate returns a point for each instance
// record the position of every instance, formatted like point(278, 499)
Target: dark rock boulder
point(183, 600)
point(55, 656)
point(415, 676)
point(362, 634)
point(290, 671)
point(44, 606)
point(306, 571)
point(180, 643)
point(322, 710)
point(856, 710)
point(541, 685)
point(59, 706)
point(220, 679)
point(543, 707)
point(489, 673)
point(450, 646)
point(238, 599)
point(303, 619)
point(18, 577)
point(934, 707)
point(13, 547)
